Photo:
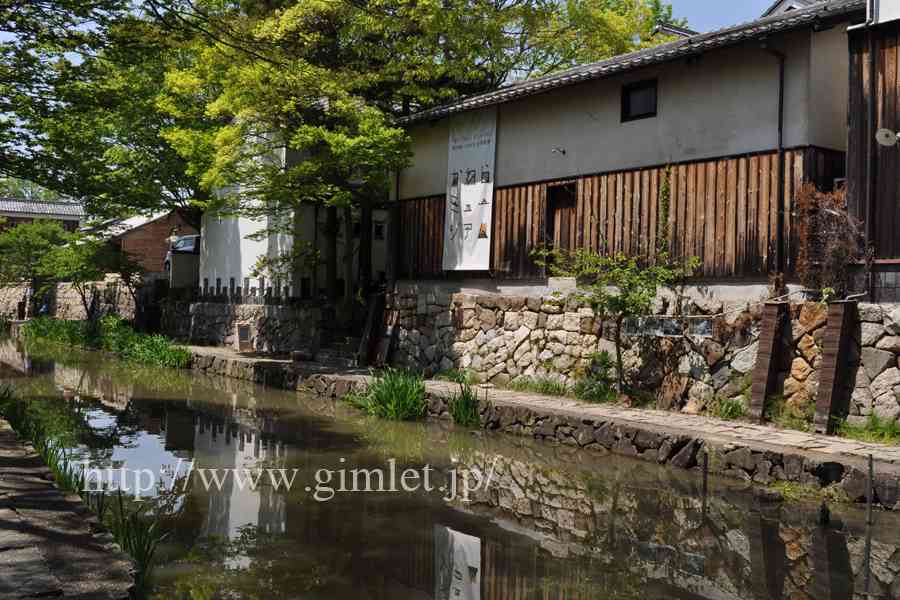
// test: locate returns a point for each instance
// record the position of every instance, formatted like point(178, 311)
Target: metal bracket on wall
point(775, 318)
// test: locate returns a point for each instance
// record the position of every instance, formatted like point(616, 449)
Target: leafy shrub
point(113, 335)
point(727, 408)
point(548, 386)
point(600, 384)
point(393, 394)
point(876, 429)
point(464, 406)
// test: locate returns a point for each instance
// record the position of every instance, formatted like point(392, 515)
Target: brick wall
point(147, 244)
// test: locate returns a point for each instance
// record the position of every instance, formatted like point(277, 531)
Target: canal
point(255, 488)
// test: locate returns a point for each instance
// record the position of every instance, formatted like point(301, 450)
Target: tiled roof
point(50, 209)
point(696, 44)
point(795, 3)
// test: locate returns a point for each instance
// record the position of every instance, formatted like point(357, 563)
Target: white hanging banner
point(470, 191)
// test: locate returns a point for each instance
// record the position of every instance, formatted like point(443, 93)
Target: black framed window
point(639, 100)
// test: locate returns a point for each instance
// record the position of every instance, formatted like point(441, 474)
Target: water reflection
point(554, 524)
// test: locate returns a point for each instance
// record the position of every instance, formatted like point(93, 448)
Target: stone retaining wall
point(272, 329)
point(502, 338)
point(67, 304)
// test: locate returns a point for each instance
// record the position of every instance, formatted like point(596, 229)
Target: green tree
point(22, 248)
point(618, 287)
point(83, 261)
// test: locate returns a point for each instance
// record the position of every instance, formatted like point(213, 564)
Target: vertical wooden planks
point(741, 242)
point(709, 253)
point(690, 215)
point(753, 265)
point(653, 200)
point(626, 213)
point(617, 231)
point(721, 218)
point(731, 218)
point(700, 201)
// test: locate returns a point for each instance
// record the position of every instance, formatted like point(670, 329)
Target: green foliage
point(729, 409)
point(547, 386)
point(464, 406)
point(619, 287)
point(24, 247)
point(137, 534)
point(113, 335)
point(876, 429)
point(393, 394)
point(600, 384)
point(783, 414)
point(458, 376)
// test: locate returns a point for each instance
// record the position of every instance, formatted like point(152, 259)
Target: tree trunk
point(331, 231)
point(365, 244)
point(349, 280)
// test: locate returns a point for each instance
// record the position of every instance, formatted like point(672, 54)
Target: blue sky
point(706, 15)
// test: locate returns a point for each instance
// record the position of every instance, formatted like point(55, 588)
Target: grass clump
point(461, 376)
point(729, 409)
point(600, 384)
point(393, 394)
point(464, 406)
point(111, 334)
point(875, 429)
point(786, 415)
point(547, 386)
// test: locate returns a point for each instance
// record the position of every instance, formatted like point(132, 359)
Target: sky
point(706, 15)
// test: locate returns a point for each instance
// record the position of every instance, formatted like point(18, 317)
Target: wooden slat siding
point(730, 216)
point(788, 194)
point(636, 213)
point(645, 212)
point(709, 236)
point(595, 214)
point(617, 230)
point(764, 208)
point(887, 179)
point(741, 256)
point(626, 212)
point(523, 241)
point(752, 254)
point(653, 201)
point(700, 210)
point(579, 214)
point(721, 219)
point(611, 214)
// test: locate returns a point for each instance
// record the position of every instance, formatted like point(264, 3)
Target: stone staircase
point(339, 349)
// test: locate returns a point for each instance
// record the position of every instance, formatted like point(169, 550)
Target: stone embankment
point(739, 450)
point(50, 543)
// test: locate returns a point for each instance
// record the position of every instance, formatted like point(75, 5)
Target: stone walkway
point(48, 544)
point(762, 437)
point(714, 430)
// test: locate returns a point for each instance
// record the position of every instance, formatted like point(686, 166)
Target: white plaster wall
point(829, 88)
point(226, 252)
point(722, 103)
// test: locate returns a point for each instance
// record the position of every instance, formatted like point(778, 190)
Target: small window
point(639, 100)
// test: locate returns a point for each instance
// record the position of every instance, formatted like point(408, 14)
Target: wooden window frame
point(627, 89)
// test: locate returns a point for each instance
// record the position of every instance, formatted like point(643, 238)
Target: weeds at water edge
point(393, 394)
point(137, 534)
point(547, 386)
point(464, 406)
point(876, 429)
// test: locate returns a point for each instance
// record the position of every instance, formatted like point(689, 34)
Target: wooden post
point(835, 387)
point(765, 374)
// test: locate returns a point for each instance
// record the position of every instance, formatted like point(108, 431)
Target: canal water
point(529, 521)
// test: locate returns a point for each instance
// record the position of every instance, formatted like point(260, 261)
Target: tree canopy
point(142, 106)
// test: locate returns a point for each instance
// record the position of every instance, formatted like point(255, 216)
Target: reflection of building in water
point(457, 566)
point(112, 394)
point(17, 362)
point(230, 454)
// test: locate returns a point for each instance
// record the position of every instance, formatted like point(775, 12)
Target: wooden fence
point(885, 220)
point(722, 211)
